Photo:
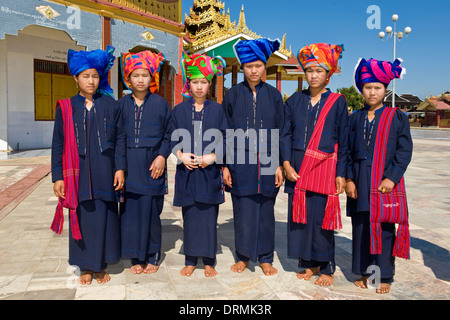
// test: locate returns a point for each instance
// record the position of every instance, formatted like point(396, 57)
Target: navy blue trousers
point(100, 231)
point(361, 257)
point(141, 228)
point(200, 233)
point(254, 227)
point(312, 245)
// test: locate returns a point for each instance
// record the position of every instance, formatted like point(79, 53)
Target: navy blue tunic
point(199, 185)
point(199, 191)
point(252, 164)
point(147, 129)
point(106, 154)
point(256, 174)
point(362, 137)
point(101, 149)
point(309, 241)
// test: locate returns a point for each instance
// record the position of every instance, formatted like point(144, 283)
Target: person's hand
point(227, 177)
point(279, 177)
point(340, 185)
point(206, 160)
point(291, 174)
point(119, 180)
point(157, 167)
point(386, 186)
point(350, 189)
point(188, 159)
point(59, 189)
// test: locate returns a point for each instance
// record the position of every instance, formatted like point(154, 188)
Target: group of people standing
point(106, 152)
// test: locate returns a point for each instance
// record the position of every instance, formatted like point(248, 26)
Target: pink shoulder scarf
point(318, 174)
point(387, 207)
point(71, 172)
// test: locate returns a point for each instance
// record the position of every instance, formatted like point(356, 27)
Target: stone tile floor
point(33, 260)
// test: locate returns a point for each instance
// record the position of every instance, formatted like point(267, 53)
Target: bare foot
point(307, 273)
point(210, 271)
point(150, 268)
point(187, 271)
point(136, 269)
point(384, 288)
point(325, 280)
point(268, 269)
point(362, 283)
point(102, 277)
point(239, 266)
point(86, 278)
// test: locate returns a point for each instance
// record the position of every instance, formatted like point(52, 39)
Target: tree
point(355, 101)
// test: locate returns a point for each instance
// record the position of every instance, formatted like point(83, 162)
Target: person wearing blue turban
point(254, 109)
point(253, 50)
point(88, 139)
point(100, 60)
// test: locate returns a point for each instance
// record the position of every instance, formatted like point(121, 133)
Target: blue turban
point(253, 50)
point(99, 60)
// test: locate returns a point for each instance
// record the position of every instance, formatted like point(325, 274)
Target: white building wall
point(22, 131)
point(3, 98)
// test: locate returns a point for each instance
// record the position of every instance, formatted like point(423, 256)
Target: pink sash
point(387, 207)
point(318, 174)
point(71, 172)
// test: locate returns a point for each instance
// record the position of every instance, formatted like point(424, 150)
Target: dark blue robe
point(199, 191)
point(101, 149)
point(252, 166)
point(362, 137)
point(310, 243)
point(147, 129)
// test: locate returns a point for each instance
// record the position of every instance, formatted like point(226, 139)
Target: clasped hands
point(191, 161)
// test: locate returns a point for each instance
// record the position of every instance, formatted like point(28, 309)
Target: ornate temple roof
point(208, 24)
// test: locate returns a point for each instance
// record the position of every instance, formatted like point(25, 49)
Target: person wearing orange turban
point(321, 55)
point(146, 122)
point(313, 146)
point(142, 60)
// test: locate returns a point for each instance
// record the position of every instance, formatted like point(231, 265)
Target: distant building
point(405, 102)
point(437, 110)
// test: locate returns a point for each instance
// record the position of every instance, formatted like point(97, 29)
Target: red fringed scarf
point(388, 207)
point(71, 172)
point(318, 174)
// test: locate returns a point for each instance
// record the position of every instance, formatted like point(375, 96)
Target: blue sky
point(426, 52)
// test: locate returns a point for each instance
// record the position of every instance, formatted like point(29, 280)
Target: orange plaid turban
point(322, 55)
point(142, 60)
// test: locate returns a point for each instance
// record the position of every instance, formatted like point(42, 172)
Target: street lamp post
point(392, 33)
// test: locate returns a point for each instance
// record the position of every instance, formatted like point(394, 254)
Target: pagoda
point(209, 30)
point(208, 24)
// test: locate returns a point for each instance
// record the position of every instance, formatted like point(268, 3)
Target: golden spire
point(207, 24)
point(283, 43)
point(283, 48)
point(242, 25)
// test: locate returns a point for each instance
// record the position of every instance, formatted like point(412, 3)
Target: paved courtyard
point(33, 260)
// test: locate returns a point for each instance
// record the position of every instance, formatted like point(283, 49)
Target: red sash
point(71, 172)
point(318, 174)
point(388, 207)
